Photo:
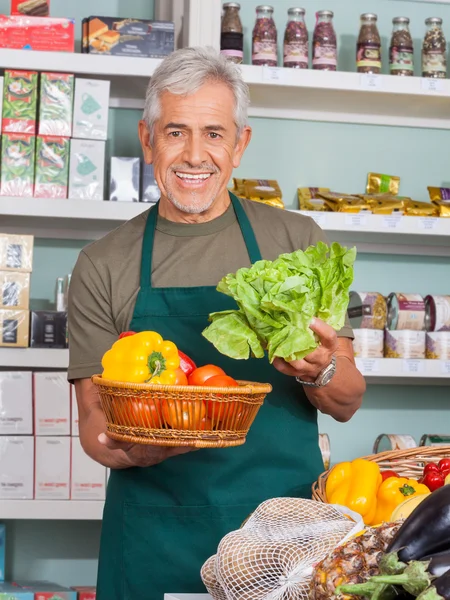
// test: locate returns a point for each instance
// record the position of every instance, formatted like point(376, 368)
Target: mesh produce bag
point(272, 556)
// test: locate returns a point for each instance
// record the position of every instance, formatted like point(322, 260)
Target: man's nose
point(195, 151)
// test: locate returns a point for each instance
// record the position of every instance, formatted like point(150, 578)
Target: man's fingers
point(112, 444)
point(182, 450)
point(327, 335)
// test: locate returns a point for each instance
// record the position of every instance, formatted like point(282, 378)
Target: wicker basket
point(407, 463)
point(161, 415)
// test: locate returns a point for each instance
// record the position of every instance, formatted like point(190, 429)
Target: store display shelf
point(187, 597)
point(52, 510)
point(400, 371)
point(33, 358)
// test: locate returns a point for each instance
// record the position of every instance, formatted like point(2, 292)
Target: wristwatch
point(324, 377)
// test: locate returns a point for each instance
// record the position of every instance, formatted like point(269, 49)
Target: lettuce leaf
point(278, 299)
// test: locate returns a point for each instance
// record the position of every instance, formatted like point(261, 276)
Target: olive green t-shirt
point(105, 281)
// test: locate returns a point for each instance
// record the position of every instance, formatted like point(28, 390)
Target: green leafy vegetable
point(277, 301)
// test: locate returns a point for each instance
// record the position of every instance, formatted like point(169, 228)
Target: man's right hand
point(139, 455)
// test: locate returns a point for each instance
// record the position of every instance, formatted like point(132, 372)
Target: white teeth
point(190, 176)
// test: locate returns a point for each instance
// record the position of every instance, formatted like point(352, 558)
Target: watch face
point(328, 375)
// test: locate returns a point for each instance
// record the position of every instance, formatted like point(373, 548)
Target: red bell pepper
point(126, 334)
point(434, 474)
point(187, 365)
point(386, 474)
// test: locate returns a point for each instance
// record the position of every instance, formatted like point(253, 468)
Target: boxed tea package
point(19, 111)
point(44, 590)
point(14, 328)
point(23, 32)
point(16, 252)
point(74, 428)
point(55, 105)
point(16, 474)
point(150, 190)
point(12, 591)
point(51, 394)
point(48, 329)
point(16, 403)
point(124, 181)
point(91, 109)
point(88, 477)
point(17, 173)
point(14, 289)
point(87, 169)
point(52, 473)
point(52, 167)
point(34, 8)
point(86, 592)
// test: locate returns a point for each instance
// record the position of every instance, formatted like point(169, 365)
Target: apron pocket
point(164, 548)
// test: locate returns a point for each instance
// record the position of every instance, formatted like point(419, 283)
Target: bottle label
point(233, 53)
point(265, 51)
point(401, 59)
point(368, 55)
point(296, 52)
point(325, 54)
point(434, 61)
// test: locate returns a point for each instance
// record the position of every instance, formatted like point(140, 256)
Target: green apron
point(161, 523)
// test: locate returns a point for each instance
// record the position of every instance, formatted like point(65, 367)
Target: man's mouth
point(192, 176)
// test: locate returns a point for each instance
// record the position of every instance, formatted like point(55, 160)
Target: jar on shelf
point(264, 43)
point(368, 49)
point(296, 40)
point(401, 50)
point(434, 50)
point(324, 42)
point(232, 35)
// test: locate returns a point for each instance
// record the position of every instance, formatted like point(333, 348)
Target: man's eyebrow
point(173, 125)
point(214, 128)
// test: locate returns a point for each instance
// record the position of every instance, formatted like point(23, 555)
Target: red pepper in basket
point(386, 474)
point(434, 475)
point(187, 365)
point(126, 334)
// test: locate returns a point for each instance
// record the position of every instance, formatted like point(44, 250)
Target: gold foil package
point(344, 203)
point(385, 204)
point(309, 199)
point(439, 194)
point(414, 208)
point(378, 183)
point(443, 208)
point(266, 191)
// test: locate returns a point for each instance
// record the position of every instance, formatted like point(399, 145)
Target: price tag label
point(273, 74)
point(356, 220)
point(369, 81)
point(320, 218)
point(427, 223)
point(413, 366)
point(445, 365)
point(368, 366)
point(393, 221)
point(432, 85)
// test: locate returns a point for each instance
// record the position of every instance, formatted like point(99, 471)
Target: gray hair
point(185, 71)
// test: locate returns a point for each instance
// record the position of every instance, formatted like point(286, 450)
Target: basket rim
point(245, 387)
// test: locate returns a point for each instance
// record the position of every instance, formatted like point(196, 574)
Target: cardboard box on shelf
point(86, 592)
point(34, 8)
point(14, 290)
point(51, 396)
point(16, 252)
point(124, 179)
point(91, 109)
point(14, 325)
point(88, 478)
point(22, 32)
point(16, 403)
point(14, 592)
point(56, 104)
point(2, 81)
point(19, 101)
point(75, 425)
point(48, 329)
point(52, 167)
point(18, 159)
point(87, 170)
point(150, 191)
point(44, 590)
point(52, 468)
point(17, 467)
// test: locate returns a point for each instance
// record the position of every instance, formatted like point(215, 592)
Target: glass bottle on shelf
point(401, 50)
point(296, 51)
point(434, 50)
point(368, 50)
point(324, 42)
point(232, 35)
point(264, 43)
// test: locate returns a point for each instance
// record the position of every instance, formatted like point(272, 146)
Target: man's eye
point(214, 135)
point(175, 134)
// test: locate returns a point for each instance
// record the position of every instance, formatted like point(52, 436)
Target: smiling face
point(195, 148)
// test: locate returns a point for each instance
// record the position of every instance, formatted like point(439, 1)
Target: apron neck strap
point(149, 239)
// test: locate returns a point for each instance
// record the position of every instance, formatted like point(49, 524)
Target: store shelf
point(33, 358)
point(52, 510)
point(407, 372)
point(187, 597)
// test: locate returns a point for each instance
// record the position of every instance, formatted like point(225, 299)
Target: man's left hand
point(309, 368)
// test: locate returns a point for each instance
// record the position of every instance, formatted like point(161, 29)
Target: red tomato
point(221, 381)
point(200, 375)
point(181, 377)
point(184, 414)
point(144, 413)
point(444, 464)
point(206, 424)
point(222, 411)
point(386, 474)
point(430, 468)
point(433, 480)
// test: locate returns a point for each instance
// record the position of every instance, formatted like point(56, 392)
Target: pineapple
point(353, 562)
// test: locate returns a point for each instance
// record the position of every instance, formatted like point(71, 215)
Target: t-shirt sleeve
point(317, 235)
point(91, 327)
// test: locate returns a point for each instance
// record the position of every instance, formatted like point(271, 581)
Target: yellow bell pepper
point(393, 491)
point(142, 358)
point(355, 485)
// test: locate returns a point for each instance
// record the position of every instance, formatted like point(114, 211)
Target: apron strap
point(149, 238)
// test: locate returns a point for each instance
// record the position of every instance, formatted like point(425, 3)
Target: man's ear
point(144, 136)
point(242, 143)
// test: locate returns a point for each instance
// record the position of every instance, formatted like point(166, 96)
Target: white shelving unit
point(52, 510)
point(33, 358)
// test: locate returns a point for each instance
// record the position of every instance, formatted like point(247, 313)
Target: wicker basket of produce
point(177, 415)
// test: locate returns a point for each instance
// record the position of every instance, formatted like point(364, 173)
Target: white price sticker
point(369, 81)
point(320, 218)
point(445, 365)
point(429, 84)
point(356, 220)
point(413, 366)
point(368, 366)
point(427, 223)
point(393, 221)
point(273, 74)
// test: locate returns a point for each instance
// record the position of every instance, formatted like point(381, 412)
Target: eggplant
point(426, 531)
point(440, 590)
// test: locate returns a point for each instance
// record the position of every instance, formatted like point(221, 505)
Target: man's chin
point(190, 206)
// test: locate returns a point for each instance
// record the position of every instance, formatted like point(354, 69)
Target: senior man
point(167, 509)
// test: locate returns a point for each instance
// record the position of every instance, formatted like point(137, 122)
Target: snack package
point(385, 204)
point(124, 183)
point(16, 252)
point(309, 199)
point(14, 290)
point(52, 167)
point(91, 109)
point(338, 202)
point(23, 32)
point(87, 169)
point(439, 194)
point(19, 102)
point(414, 208)
point(14, 328)
point(17, 176)
point(443, 208)
point(377, 183)
point(266, 191)
point(55, 106)
point(33, 8)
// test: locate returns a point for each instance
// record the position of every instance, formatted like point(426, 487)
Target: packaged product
point(18, 158)
point(266, 191)
point(19, 110)
point(238, 187)
point(439, 194)
point(14, 290)
point(325, 449)
point(33, 8)
point(52, 167)
point(85, 592)
point(125, 178)
point(232, 33)
point(390, 442)
point(367, 310)
point(437, 313)
point(55, 105)
point(16, 474)
point(344, 203)
point(52, 473)
point(2, 554)
point(264, 38)
point(48, 329)
point(444, 208)
point(368, 343)
point(385, 204)
point(438, 345)
point(406, 311)
point(23, 32)
point(87, 169)
point(88, 477)
point(16, 403)
point(14, 328)
point(378, 183)
point(309, 199)
point(51, 393)
point(150, 190)
point(16, 252)
point(406, 344)
point(10, 590)
point(91, 109)
point(414, 208)
point(435, 439)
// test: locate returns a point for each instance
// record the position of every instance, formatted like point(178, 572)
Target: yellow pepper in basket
point(393, 492)
point(355, 485)
point(142, 358)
